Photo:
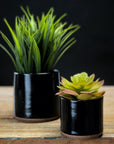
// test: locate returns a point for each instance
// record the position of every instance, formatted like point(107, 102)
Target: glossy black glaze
point(82, 117)
point(34, 95)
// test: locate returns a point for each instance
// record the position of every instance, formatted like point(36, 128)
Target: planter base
point(81, 137)
point(36, 120)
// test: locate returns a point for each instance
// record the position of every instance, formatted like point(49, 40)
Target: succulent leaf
point(66, 84)
point(67, 96)
point(82, 87)
point(99, 94)
point(84, 96)
point(79, 78)
point(91, 78)
point(71, 92)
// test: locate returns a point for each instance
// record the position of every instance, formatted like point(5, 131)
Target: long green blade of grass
point(61, 54)
point(14, 37)
point(5, 49)
point(8, 42)
point(37, 58)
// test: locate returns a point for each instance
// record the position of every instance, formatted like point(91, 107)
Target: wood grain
point(11, 128)
point(58, 141)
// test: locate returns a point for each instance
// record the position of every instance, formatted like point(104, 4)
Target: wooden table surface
point(13, 131)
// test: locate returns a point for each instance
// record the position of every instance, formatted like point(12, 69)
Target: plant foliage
point(81, 87)
point(39, 43)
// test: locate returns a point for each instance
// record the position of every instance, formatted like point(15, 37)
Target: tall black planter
point(34, 96)
point(82, 118)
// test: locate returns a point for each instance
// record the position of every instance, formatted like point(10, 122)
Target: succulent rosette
point(81, 87)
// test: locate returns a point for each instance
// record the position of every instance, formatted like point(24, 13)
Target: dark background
point(94, 50)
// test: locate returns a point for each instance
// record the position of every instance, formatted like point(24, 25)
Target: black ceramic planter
point(81, 118)
point(34, 96)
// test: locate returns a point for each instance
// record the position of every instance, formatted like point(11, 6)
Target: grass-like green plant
point(81, 87)
point(39, 43)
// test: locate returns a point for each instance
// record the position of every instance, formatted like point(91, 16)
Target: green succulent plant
point(39, 43)
point(81, 87)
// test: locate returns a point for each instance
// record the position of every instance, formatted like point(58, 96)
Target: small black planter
point(34, 96)
point(82, 118)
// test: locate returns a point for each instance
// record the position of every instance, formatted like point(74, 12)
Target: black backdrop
point(94, 50)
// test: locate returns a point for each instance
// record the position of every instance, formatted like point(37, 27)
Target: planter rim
point(75, 101)
point(42, 73)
